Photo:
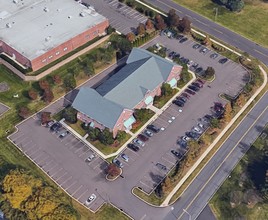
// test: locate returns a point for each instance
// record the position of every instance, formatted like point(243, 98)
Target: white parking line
point(82, 194)
point(141, 18)
point(56, 172)
point(66, 180)
point(53, 167)
point(19, 136)
point(43, 160)
point(30, 155)
point(60, 177)
point(77, 189)
point(85, 152)
point(134, 12)
point(146, 185)
point(167, 161)
point(71, 185)
point(41, 154)
point(47, 163)
point(74, 145)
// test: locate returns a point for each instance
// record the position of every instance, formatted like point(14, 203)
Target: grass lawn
point(251, 22)
point(164, 99)
point(152, 199)
point(220, 203)
point(139, 123)
point(108, 149)
point(77, 127)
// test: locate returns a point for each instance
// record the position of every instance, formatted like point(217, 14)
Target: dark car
point(199, 85)
point(143, 137)
point(178, 103)
point(172, 54)
point(190, 91)
point(148, 133)
point(177, 154)
point(182, 98)
point(200, 81)
point(195, 65)
point(182, 143)
point(191, 134)
point(117, 163)
point(183, 40)
point(223, 60)
point(208, 117)
point(214, 56)
point(185, 95)
point(55, 127)
point(161, 166)
point(153, 128)
point(199, 70)
point(179, 37)
point(177, 55)
point(194, 88)
point(133, 147)
point(196, 46)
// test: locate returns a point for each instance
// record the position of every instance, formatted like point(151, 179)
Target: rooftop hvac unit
point(82, 14)
point(8, 25)
point(46, 9)
point(47, 38)
point(69, 16)
point(15, 1)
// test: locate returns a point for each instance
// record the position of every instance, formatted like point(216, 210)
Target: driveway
point(121, 17)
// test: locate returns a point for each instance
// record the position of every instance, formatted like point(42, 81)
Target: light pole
point(190, 217)
point(172, 208)
point(216, 13)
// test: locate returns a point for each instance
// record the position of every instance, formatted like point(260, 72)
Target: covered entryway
point(128, 123)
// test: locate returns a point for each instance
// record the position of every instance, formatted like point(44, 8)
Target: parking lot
point(230, 76)
point(3, 109)
point(61, 157)
point(121, 17)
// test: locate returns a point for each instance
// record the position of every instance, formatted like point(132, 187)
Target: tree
point(149, 25)
point(166, 89)
point(44, 84)
point(69, 82)
point(88, 67)
point(241, 100)
point(185, 25)
point(93, 133)
point(112, 170)
point(160, 23)
point(227, 116)
point(215, 123)
point(56, 79)
point(130, 37)
point(141, 29)
point(48, 95)
point(209, 73)
point(106, 137)
point(24, 112)
point(45, 117)
point(32, 94)
point(236, 5)
point(173, 19)
point(166, 184)
point(207, 41)
point(70, 114)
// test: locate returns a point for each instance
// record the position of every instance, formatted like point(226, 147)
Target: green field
point(251, 22)
point(240, 196)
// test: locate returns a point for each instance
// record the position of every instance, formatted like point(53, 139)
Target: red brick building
point(41, 33)
point(112, 104)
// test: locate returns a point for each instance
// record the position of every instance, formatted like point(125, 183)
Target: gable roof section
point(91, 103)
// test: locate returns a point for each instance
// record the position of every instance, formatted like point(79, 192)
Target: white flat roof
point(33, 27)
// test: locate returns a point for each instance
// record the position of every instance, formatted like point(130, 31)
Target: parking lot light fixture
point(190, 217)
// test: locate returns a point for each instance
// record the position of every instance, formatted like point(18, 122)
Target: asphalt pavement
point(215, 29)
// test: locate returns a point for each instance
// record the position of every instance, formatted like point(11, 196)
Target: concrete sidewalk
point(167, 200)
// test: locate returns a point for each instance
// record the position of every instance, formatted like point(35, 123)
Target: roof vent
point(82, 14)
point(46, 9)
point(15, 1)
point(47, 38)
point(69, 16)
point(8, 25)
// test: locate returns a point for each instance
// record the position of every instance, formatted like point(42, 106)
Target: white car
point(185, 138)
point(138, 142)
point(90, 158)
point(90, 199)
point(197, 130)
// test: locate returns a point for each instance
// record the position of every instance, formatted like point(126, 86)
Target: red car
point(190, 91)
point(185, 95)
point(200, 81)
point(143, 137)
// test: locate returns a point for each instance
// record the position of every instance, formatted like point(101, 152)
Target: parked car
point(125, 157)
point(200, 125)
point(178, 103)
point(176, 153)
point(197, 130)
point(199, 85)
point(199, 70)
point(55, 127)
point(194, 88)
point(133, 147)
point(182, 98)
point(64, 134)
point(223, 60)
point(90, 158)
point(143, 138)
point(185, 138)
point(179, 37)
point(50, 123)
point(190, 91)
point(195, 65)
point(148, 133)
point(203, 50)
point(185, 95)
point(182, 143)
point(191, 134)
point(208, 117)
point(90, 199)
point(214, 56)
point(138, 142)
point(183, 40)
point(153, 128)
point(171, 54)
point(196, 46)
point(200, 81)
point(161, 166)
point(118, 163)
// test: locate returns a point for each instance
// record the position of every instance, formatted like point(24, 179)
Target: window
point(65, 49)
point(57, 53)
point(50, 57)
point(44, 60)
